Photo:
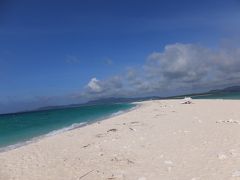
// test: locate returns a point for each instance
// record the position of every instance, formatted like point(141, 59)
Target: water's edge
point(69, 128)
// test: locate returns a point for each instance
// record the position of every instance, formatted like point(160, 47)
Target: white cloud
point(94, 86)
point(178, 68)
point(193, 64)
point(179, 62)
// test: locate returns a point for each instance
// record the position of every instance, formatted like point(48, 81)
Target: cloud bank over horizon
point(179, 68)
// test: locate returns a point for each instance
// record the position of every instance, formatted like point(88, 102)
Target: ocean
point(222, 95)
point(211, 95)
point(21, 128)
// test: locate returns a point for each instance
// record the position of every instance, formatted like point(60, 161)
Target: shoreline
point(65, 129)
point(161, 139)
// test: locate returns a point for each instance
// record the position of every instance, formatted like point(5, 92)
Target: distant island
point(228, 89)
point(138, 99)
point(104, 101)
point(216, 93)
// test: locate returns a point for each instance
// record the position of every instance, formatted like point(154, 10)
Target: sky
point(66, 51)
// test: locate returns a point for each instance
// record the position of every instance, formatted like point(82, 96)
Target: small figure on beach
point(187, 100)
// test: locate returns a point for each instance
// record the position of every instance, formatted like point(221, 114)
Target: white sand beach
point(160, 140)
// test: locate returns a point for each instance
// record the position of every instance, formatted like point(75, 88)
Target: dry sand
point(161, 140)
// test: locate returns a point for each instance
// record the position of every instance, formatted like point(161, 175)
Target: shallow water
point(21, 127)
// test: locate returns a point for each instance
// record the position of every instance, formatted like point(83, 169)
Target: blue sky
point(60, 52)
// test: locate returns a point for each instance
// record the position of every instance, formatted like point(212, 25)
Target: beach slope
point(163, 140)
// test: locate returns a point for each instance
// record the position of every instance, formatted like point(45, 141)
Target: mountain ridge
point(230, 89)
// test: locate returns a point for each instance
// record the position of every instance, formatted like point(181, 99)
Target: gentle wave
point(68, 128)
point(124, 111)
point(35, 139)
point(117, 113)
point(73, 126)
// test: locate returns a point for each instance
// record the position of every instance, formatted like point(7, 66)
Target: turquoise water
point(22, 127)
point(219, 95)
point(224, 95)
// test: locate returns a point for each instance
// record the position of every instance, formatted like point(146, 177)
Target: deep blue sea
point(17, 129)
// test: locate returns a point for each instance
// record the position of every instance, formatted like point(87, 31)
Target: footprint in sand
point(112, 130)
point(100, 135)
point(132, 129)
point(86, 146)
